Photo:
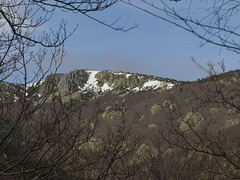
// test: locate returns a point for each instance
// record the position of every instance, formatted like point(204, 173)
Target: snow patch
point(91, 84)
point(15, 97)
point(136, 89)
point(128, 75)
point(170, 85)
point(34, 84)
point(106, 87)
point(118, 73)
point(153, 84)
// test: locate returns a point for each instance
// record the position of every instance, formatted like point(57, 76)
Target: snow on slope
point(34, 84)
point(91, 84)
point(155, 84)
point(106, 87)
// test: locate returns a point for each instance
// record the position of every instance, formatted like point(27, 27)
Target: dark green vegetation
point(190, 131)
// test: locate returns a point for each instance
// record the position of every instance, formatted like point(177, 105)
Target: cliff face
point(99, 82)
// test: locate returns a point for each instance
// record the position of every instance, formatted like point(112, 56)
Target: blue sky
point(154, 47)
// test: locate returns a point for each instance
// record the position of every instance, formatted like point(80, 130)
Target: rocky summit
point(93, 82)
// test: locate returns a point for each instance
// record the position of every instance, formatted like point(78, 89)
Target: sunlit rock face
point(90, 83)
point(103, 81)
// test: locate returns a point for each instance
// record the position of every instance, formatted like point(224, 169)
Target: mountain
point(124, 123)
point(147, 96)
point(86, 84)
point(82, 83)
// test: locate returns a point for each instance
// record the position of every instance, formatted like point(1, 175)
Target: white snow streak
point(106, 87)
point(34, 84)
point(153, 84)
point(136, 89)
point(170, 85)
point(91, 84)
point(128, 75)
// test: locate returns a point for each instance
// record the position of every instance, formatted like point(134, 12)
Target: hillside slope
point(127, 125)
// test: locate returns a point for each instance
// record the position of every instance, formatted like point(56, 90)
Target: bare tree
point(207, 130)
point(200, 139)
point(214, 22)
point(117, 155)
point(22, 29)
point(40, 135)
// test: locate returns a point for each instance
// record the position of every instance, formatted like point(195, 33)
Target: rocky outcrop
point(99, 82)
